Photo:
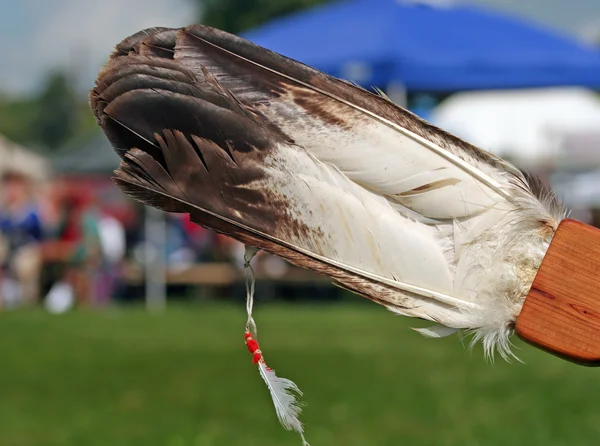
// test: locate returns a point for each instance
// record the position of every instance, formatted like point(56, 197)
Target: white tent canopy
point(578, 189)
point(527, 126)
point(15, 158)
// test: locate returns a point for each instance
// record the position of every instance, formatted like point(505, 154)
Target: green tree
point(47, 119)
point(16, 116)
point(56, 112)
point(240, 15)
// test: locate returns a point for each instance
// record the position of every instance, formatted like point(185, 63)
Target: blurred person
point(201, 240)
point(21, 233)
point(179, 252)
point(107, 278)
point(72, 249)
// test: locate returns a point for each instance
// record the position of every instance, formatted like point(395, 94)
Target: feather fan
point(326, 175)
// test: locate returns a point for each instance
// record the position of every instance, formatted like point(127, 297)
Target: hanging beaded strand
point(284, 392)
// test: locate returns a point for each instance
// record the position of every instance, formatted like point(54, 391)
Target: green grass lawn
point(183, 378)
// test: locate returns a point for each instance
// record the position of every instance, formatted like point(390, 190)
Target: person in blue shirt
point(21, 233)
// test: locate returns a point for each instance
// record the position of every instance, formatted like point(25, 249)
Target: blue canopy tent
point(435, 48)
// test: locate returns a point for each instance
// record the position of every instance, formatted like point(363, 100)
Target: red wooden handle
point(562, 311)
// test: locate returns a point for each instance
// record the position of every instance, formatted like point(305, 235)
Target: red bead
point(252, 345)
point(256, 358)
point(247, 335)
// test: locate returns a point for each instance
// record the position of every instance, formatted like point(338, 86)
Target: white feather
point(465, 253)
point(459, 228)
point(284, 394)
point(469, 272)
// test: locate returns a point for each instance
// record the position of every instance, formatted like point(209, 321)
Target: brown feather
point(185, 109)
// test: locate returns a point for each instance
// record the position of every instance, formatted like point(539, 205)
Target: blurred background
point(121, 325)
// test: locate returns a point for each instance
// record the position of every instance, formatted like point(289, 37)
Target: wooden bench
point(220, 274)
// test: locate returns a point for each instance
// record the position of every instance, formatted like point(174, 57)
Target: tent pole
point(155, 268)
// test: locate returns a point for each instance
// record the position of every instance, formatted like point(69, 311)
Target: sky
point(40, 35)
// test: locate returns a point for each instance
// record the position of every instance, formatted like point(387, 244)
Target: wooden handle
point(562, 311)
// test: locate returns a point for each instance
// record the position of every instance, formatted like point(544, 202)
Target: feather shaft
point(485, 179)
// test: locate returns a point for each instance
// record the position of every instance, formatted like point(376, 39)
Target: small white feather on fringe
point(284, 393)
